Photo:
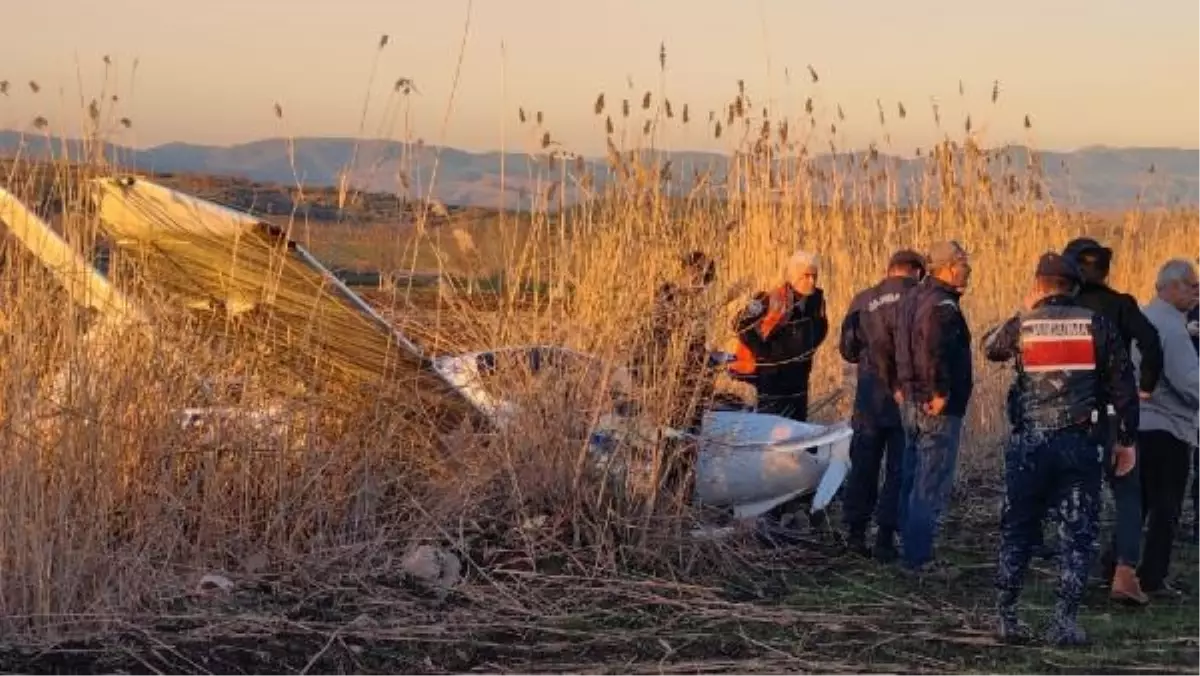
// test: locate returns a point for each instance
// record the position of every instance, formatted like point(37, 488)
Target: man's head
point(1056, 275)
point(1092, 258)
point(800, 272)
point(1176, 284)
point(906, 263)
point(949, 263)
point(698, 270)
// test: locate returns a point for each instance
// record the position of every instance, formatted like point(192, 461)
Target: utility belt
point(1091, 423)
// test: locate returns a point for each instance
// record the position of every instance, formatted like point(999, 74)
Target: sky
point(1087, 72)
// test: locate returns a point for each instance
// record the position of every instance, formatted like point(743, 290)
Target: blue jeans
point(869, 447)
point(1127, 498)
point(930, 459)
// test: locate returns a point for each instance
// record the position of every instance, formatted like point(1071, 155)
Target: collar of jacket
point(1095, 286)
point(896, 282)
point(1055, 299)
point(935, 282)
point(1157, 303)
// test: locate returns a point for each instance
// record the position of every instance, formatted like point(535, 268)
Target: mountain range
point(1095, 178)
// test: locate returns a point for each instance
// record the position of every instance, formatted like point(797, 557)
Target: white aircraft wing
point(79, 278)
point(309, 319)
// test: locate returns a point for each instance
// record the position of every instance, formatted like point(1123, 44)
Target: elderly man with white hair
point(1168, 428)
point(778, 334)
point(1193, 327)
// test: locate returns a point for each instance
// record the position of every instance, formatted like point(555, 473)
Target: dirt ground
point(802, 608)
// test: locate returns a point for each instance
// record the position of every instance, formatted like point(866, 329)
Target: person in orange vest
point(778, 334)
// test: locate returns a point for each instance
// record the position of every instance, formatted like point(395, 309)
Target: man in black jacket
point(867, 332)
point(933, 386)
point(1069, 365)
point(1122, 311)
point(779, 333)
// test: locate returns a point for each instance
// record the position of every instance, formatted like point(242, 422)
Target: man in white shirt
point(1169, 421)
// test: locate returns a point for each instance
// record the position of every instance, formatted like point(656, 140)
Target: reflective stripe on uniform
point(1057, 345)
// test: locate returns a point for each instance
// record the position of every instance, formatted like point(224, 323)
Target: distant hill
point(1096, 178)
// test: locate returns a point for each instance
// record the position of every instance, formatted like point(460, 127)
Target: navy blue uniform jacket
point(1112, 383)
point(866, 340)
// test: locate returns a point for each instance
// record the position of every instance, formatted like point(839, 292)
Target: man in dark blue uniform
point(867, 331)
point(933, 384)
point(1070, 365)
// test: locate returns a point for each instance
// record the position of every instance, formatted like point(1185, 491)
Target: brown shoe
point(1126, 588)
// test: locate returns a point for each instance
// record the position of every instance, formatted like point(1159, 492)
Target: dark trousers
point(1195, 496)
point(793, 406)
point(783, 391)
point(869, 446)
point(1165, 462)
point(1057, 474)
point(1125, 545)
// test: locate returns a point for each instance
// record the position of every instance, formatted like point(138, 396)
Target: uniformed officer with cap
point(867, 342)
point(1070, 364)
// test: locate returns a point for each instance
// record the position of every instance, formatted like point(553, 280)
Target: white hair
point(1174, 270)
point(801, 260)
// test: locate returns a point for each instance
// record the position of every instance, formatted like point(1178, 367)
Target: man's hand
point(936, 405)
point(1144, 396)
point(898, 396)
point(1124, 458)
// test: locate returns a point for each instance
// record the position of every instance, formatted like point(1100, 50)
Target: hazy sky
point(1114, 72)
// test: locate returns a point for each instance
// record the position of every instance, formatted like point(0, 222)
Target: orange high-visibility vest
point(778, 306)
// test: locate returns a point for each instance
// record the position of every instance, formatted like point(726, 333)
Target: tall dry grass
point(111, 508)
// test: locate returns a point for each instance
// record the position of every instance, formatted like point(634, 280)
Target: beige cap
point(945, 254)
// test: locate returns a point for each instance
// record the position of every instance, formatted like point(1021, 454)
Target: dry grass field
point(113, 514)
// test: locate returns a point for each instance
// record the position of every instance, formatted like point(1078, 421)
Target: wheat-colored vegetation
point(112, 513)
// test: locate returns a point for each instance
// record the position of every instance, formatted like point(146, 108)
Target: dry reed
point(108, 503)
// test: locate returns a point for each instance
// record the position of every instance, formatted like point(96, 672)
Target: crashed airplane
point(750, 464)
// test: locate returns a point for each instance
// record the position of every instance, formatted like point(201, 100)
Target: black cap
point(1056, 265)
point(1081, 245)
point(907, 257)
